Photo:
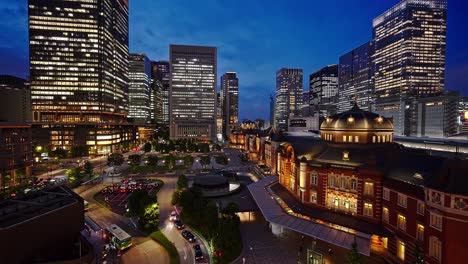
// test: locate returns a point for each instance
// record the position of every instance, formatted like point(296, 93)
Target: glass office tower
point(288, 95)
point(140, 89)
point(79, 70)
point(355, 79)
point(161, 76)
point(229, 102)
point(323, 86)
point(409, 57)
point(192, 96)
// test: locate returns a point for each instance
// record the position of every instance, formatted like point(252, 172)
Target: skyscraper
point(323, 86)
point(140, 89)
point(79, 71)
point(272, 110)
point(355, 80)
point(161, 72)
point(192, 96)
point(409, 57)
point(230, 101)
point(288, 95)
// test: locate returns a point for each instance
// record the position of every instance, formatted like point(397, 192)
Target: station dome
point(357, 126)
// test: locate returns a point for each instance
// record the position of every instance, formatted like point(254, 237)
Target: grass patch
point(159, 237)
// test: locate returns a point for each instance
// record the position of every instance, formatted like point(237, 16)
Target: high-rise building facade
point(161, 72)
point(140, 90)
point(323, 86)
point(79, 60)
point(288, 95)
point(79, 71)
point(15, 99)
point(272, 110)
point(192, 96)
point(229, 102)
point(355, 79)
point(409, 56)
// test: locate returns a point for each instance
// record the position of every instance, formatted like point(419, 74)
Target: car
point(179, 224)
point(198, 252)
point(173, 216)
point(188, 235)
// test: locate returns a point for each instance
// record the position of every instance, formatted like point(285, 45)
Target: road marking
point(185, 254)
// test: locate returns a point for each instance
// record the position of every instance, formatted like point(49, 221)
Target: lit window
point(435, 248)
point(401, 250)
point(313, 196)
point(331, 181)
point(421, 207)
point(369, 188)
point(373, 139)
point(368, 209)
point(354, 184)
point(313, 178)
point(356, 139)
point(350, 138)
point(436, 221)
point(386, 194)
point(345, 155)
point(420, 232)
point(385, 215)
point(344, 138)
point(401, 222)
point(402, 200)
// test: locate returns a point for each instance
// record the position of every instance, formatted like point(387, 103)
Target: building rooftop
point(25, 208)
point(277, 213)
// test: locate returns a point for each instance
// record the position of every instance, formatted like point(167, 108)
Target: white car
point(173, 216)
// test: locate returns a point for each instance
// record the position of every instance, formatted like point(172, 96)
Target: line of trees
point(221, 226)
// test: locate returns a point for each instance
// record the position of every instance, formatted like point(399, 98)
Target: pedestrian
point(243, 260)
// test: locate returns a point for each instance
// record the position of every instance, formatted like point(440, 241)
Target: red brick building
point(408, 204)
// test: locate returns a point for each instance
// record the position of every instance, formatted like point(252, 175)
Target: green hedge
point(159, 237)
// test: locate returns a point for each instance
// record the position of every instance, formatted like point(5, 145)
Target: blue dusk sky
point(254, 38)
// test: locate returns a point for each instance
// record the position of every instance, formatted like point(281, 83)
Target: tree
point(188, 160)
point(203, 147)
point(60, 153)
point(147, 147)
point(182, 182)
point(419, 257)
point(79, 151)
point(170, 161)
point(152, 160)
point(223, 160)
point(88, 168)
point(5, 179)
point(205, 160)
point(115, 159)
point(149, 221)
point(134, 159)
point(353, 256)
point(73, 174)
point(230, 210)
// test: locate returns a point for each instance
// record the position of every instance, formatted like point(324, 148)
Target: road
point(144, 249)
point(167, 227)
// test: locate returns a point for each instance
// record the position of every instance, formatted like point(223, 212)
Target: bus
point(119, 238)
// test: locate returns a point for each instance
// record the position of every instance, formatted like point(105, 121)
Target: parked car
point(179, 224)
point(188, 235)
point(173, 216)
point(198, 252)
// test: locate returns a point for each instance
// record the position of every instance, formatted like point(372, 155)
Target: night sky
point(254, 38)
